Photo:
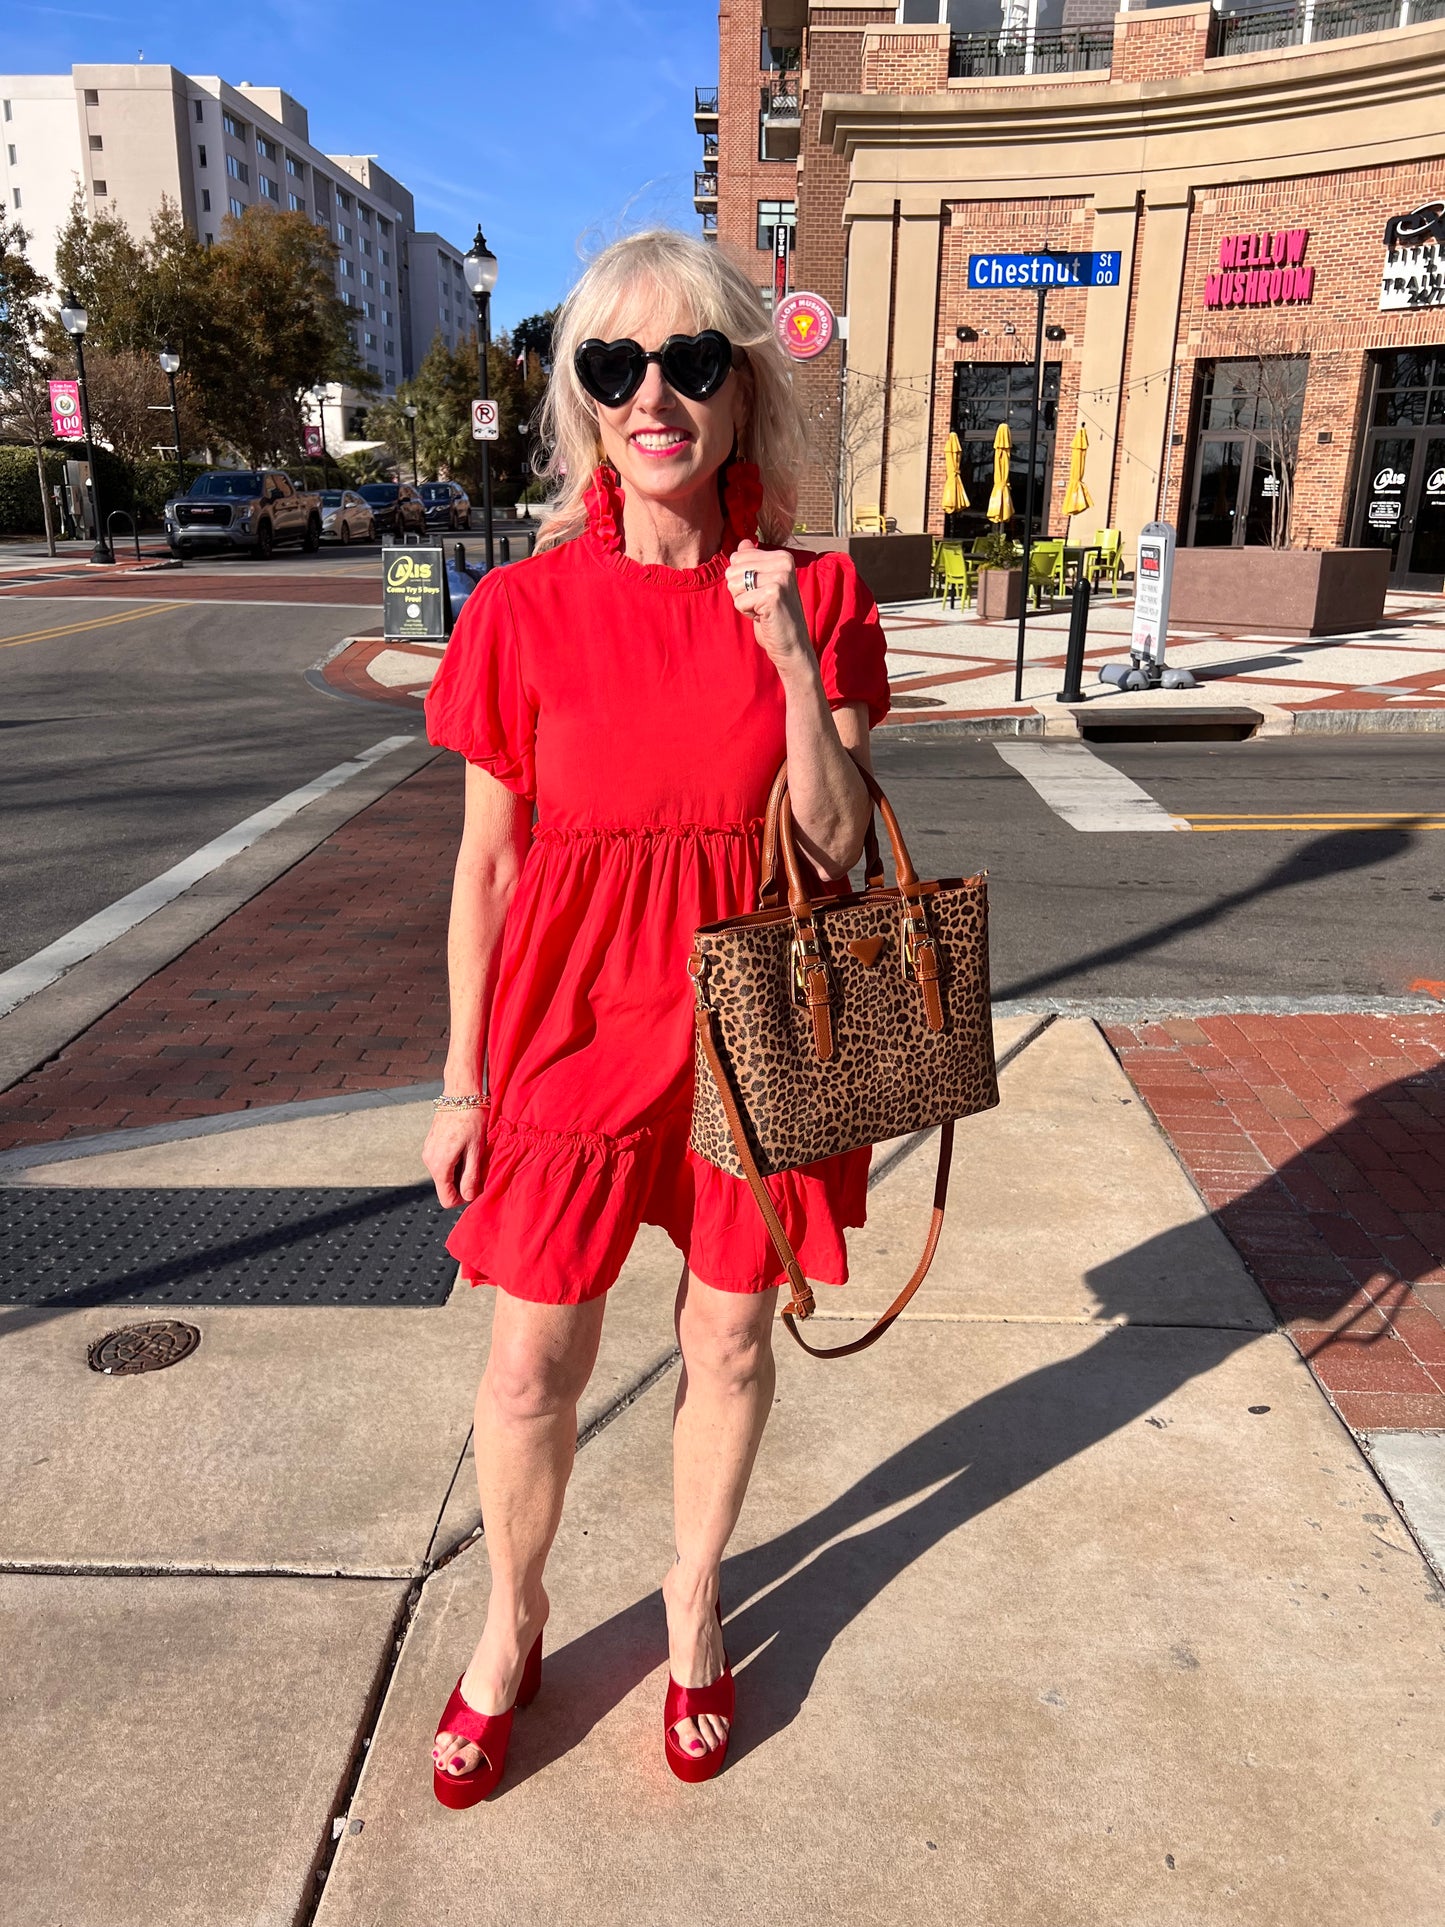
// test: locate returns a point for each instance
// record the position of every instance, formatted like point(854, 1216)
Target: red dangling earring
point(742, 497)
point(604, 504)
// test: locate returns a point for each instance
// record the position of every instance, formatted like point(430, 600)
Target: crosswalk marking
point(1087, 793)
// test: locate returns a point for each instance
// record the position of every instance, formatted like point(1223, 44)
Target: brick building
point(1269, 357)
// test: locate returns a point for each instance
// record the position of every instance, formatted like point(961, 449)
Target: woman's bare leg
point(723, 1401)
point(540, 1360)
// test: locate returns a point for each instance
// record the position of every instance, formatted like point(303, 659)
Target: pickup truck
point(251, 509)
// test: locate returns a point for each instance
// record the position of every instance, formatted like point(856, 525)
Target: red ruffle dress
point(637, 708)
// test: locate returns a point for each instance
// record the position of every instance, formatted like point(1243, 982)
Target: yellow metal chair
point(958, 573)
point(872, 522)
point(935, 567)
point(1046, 570)
point(1109, 562)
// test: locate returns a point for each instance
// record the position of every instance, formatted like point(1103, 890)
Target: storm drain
point(224, 1247)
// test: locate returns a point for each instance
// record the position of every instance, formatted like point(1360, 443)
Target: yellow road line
point(1313, 816)
point(1287, 824)
point(92, 622)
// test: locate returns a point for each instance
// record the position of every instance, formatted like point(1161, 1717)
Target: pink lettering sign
point(1263, 270)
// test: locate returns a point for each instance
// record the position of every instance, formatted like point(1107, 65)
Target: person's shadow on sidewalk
point(811, 1581)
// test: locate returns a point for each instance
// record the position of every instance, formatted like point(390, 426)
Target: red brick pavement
point(1319, 1143)
point(332, 979)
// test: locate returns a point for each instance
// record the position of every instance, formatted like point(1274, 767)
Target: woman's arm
point(829, 801)
point(495, 836)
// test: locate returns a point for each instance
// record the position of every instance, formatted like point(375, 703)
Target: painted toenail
point(459, 1761)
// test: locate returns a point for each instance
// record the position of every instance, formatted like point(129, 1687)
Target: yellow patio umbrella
point(1076, 496)
point(955, 496)
point(1001, 502)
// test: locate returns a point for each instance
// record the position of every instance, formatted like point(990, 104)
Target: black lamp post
point(170, 365)
point(479, 265)
point(75, 320)
point(410, 414)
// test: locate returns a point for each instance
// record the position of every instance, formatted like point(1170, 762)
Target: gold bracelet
point(473, 1101)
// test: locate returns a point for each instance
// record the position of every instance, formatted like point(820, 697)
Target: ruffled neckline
point(604, 534)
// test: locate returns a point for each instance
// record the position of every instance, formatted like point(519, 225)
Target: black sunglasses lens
point(610, 371)
point(697, 365)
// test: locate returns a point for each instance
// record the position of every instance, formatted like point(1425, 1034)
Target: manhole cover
point(143, 1348)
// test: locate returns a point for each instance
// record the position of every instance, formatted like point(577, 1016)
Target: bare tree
point(24, 368)
point(877, 423)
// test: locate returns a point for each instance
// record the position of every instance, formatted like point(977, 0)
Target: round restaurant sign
point(805, 325)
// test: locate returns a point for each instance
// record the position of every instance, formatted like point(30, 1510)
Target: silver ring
point(750, 581)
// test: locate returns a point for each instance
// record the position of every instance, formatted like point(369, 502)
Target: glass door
point(1216, 491)
point(1389, 460)
point(1427, 538)
point(1400, 491)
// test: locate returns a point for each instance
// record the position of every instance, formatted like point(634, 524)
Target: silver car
point(346, 517)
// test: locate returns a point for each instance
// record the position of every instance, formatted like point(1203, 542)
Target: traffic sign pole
point(1041, 292)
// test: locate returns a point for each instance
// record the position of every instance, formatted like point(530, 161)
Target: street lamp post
point(479, 265)
point(170, 365)
point(75, 320)
point(410, 414)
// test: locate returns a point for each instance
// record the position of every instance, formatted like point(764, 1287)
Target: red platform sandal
point(489, 1731)
point(685, 1703)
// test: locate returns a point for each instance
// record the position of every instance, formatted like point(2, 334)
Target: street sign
point(1084, 269)
point(1153, 578)
point(415, 604)
point(486, 422)
point(782, 248)
point(66, 424)
point(805, 325)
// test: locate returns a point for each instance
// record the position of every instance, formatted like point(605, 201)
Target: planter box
point(1000, 594)
point(895, 568)
point(1284, 592)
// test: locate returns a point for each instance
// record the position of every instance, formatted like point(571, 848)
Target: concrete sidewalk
point(1073, 1602)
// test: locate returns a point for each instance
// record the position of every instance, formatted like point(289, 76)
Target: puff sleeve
point(479, 703)
point(852, 653)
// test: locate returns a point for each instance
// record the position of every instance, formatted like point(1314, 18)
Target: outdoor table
point(1077, 557)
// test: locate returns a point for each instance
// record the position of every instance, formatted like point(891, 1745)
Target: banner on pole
point(66, 424)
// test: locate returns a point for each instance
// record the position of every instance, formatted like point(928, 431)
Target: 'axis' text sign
point(1087, 269)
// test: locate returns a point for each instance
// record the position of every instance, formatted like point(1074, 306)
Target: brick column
point(1145, 437)
point(1163, 43)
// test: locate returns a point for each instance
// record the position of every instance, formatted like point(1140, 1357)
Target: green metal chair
point(958, 573)
point(1046, 570)
point(1109, 562)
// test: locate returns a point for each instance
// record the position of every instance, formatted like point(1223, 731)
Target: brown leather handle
point(770, 894)
point(801, 1303)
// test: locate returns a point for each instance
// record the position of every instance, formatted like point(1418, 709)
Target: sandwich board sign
point(1153, 579)
point(415, 603)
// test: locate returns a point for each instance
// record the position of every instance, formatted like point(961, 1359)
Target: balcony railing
point(704, 109)
point(709, 147)
point(782, 123)
point(980, 56)
point(704, 191)
point(785, 104)
point(1264, 28)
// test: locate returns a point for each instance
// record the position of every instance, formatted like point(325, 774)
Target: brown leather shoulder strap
point(801, 1303)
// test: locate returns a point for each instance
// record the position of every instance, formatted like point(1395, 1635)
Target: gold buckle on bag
point(803, 951)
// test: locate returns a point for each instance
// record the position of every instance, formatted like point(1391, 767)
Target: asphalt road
point(1242, 913)
point(130, 739)
point(125, 744)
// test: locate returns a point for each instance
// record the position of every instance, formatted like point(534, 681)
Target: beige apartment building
point(1270, 185)
point(131, 136)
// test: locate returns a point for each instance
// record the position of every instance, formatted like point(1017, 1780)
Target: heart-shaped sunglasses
point(694, 365)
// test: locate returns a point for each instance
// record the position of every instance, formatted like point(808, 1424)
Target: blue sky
point(558, 124)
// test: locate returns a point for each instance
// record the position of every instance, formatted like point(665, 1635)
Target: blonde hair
point(665, 275)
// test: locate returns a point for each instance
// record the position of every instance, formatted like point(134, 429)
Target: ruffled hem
point(559, 1210)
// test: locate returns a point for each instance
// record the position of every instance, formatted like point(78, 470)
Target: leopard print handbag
point(828, 1023)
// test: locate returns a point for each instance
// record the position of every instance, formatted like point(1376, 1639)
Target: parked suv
point(396, 508)
point(448, 506)
point(251, 509)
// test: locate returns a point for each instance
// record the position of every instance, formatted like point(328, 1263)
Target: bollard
point(1072, 692)
point(459, 556)
point(504, 546)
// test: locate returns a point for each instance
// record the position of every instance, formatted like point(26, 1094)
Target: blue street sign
point(1080, 270)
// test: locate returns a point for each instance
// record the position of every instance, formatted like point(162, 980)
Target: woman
point(640, 679)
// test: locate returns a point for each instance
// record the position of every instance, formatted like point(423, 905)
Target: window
point(343, 234)
point(774, 214)
point(201, 156)
point(385, 258)
point(986, 393)
point(447, 316)
point(387, 316)
point(200, 110)
point(343, 199)
point(238, 208)
point(265, 148)
point(368, 279)
point(16, 192)
point(92, 98)
point(386, 287)
point(346, 298)
point(391, 372)
point(205, 200)
point(345, 269)
point(210, 240)
point(372, 369)
point(369, 309)
point(365, 213)
point(1245, 423)
point(365, 245)
point(369, 341)
point(238, 170)
point(293, 166)
point(11, 152)
point(234, 126)
point(391, 350)
point(6, 108)
point(97, 145)
point(101, 191)
point(269, 188)
point(295, 203)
